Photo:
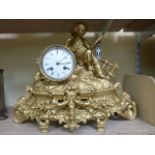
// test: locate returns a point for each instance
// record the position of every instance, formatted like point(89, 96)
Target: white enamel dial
point(57, 63)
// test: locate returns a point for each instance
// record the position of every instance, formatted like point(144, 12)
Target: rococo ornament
point(73, 87)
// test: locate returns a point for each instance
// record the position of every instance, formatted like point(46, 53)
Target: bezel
point(46, 50)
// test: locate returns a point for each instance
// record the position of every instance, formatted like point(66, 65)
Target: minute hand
point(64, 63)
point(62, 59)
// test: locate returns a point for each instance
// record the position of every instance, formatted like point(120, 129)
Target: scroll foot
point(19, 117)
point(101, 125)
point(44, 125)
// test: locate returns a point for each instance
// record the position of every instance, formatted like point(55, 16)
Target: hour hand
point(50, 68)
point(65, 67)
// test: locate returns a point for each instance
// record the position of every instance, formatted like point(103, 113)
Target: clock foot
point(100, 126)
point(19, 117)
point(44, 125)
point(101, 130)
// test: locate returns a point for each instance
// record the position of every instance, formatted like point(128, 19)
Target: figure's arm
point(97, 41)
point(86, 43)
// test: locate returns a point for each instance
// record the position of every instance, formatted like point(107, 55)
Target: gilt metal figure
point(88, 95)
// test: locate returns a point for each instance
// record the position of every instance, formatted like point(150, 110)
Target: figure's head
point(79, 29)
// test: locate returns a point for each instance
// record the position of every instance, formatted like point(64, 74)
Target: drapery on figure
point(83, 50)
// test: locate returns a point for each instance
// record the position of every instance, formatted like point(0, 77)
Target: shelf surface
point(113, 127)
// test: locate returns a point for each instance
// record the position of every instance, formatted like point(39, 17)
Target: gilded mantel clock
point(57, 63)
point(73, 91)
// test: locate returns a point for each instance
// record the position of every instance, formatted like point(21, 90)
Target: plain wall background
point(18, 57)
point(148, 57)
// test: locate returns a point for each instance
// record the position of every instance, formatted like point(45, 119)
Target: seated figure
point(82, 50)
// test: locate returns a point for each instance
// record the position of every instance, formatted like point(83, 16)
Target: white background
point(77, 145)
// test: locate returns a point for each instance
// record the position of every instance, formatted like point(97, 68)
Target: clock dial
point(57, 63)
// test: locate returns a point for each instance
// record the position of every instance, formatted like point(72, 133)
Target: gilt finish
point(88, 95)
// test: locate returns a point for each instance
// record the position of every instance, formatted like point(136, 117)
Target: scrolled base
point(74, 102)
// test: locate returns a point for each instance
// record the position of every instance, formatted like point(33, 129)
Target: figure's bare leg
point(88, 60)
point(97, 67)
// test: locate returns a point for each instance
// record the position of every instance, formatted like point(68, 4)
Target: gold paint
point(88, 95)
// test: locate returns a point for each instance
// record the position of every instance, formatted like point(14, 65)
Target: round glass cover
point(57, 63)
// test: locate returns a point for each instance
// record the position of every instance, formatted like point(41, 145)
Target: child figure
point(82, 50)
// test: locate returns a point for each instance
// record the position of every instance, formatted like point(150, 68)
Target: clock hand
point(64, 63)
point(51, 68)
point(66, 68)
point(57, 63)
